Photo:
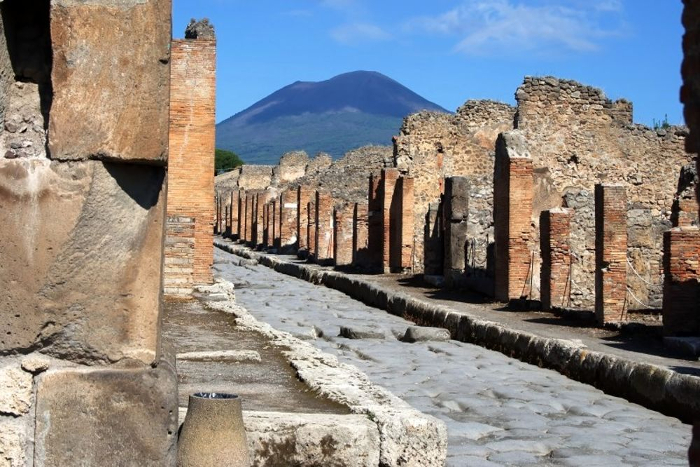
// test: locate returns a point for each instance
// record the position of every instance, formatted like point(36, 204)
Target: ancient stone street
point(498, 410)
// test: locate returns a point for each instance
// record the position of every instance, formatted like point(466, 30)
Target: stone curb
point(407, 437)
point(651, 386)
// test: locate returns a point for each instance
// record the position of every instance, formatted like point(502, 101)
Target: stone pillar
point(266, 225)
point(343, 227)
point(433, 262)
point(240, 229)
point(276, 222)
point(303, 198)
point(360, 239)
point(389, 228)
point(324, 228)
point(249, 197)
point(611, 253)
point(260, 201)
point(288, 219)
point(555, 280)
point(681, 313)
point(192, 145)
point(513, 204)
point(456, 213)
point(404, 239)
point(375, 224)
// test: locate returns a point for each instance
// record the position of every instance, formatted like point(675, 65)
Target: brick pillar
point(288, 219)
point(248, 217)
point(433, 262)
point(343, 228)
point(240, 229)
point(681, 313)
point(266, 225)
point(456, 213)
point(324, 228)
point(276, 223)
point(303, 198)
point(610, 252)
point(256, 231)
point(360, 239)
point(235, 206)
point(513, 204)
point(389, 228)
point(555, 233)
point(404, 237)
point(375, 219)
point(311, 228)
point(191, 136)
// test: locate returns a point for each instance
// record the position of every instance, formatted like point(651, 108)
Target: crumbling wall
point(432, 146)
point(255, 177)
point(580, 138)
point(292, 166)
point(83, 215)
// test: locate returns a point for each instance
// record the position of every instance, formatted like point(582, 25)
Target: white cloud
point(359, 33)
point(511, 27)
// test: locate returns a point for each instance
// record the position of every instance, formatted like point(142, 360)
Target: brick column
point(375, 219)
point(681, 313)
point(389, 228)
point(513, 198)
point(610, 252)
point(324, 228)
point(360, 239)
point(303, 198)
point(404, 238)
point(240, 228)
point(288, 219)
point(256, 231)
point(248, 217)
point(235, 206)
point(343, 227)
point(456, 213)
point(266, 225)
point(191, 141)
point(311, 229)
point(555, 233)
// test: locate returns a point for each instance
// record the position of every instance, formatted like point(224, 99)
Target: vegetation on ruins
point(225, 160)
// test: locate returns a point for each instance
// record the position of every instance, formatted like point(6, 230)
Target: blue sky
point(448, 51)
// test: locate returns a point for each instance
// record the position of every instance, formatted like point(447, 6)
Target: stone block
point(310, 439)
point(456, 212)
point(82, 259)
point(424, 334)
point(355, 332)
point(15, 391)
point(13, 440)
point(107, 417)
point(110, 80)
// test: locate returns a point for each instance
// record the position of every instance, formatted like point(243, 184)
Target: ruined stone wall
point(292, 166)
point(255, 177)
point(432, 146)
point(577, 138)
point(82, 215)
point(188, 261)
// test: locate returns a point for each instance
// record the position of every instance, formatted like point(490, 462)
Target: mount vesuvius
point(334, 116)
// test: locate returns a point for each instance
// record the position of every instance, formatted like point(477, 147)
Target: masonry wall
point(191, 164)
point(681, 312)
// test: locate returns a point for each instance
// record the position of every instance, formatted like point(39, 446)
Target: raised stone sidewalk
point(648, 377)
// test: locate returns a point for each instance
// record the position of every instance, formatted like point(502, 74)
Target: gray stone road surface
point(498, 411)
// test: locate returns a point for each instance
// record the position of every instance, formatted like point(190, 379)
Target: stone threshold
point(652, 386)
point(381, 429)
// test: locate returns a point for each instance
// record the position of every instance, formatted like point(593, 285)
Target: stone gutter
point(382, 429)
point(651, 386)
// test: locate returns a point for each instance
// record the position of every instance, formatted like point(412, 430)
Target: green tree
point(225, 160)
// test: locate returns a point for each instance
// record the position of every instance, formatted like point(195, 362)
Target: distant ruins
point(560, 202)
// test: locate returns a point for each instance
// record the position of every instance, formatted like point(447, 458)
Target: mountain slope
point(345, 112)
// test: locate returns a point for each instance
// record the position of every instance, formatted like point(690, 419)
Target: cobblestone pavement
point(498, 411)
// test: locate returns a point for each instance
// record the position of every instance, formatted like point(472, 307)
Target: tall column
point(389, 228)
point(240, 229)
point(456, 212)
point(610, 253)
point(192, 145)
point(513, 204)
point(375, 222)
point(681, 313)
point(555, 281)
point(406, 219)
point(303, 198)
point(235, 206)
point(288, 219)
point(311, 229)
point(249, 204)
point(343, 235)
point(266, 225)
point(360, 239)
point(324, 228)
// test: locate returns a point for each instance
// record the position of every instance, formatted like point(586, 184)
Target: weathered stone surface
point(15, 391)
point(240, 356)
point(12, 444)
point(36, 363)
point(423, 334)
point(310, 439)
point(107, 417)
point(110, 80)
point(355, 332)
point(81, 258)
